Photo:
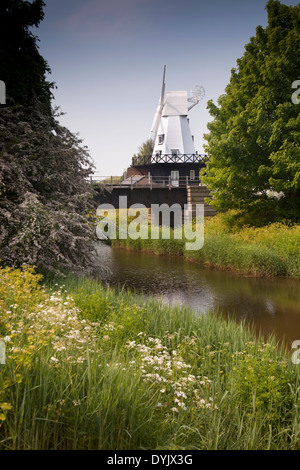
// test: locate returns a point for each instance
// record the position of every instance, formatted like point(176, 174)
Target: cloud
point(106, 18)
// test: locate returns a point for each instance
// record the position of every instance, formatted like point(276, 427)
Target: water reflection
point(273, 305)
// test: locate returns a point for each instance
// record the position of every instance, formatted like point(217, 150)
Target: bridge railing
point(144, 181)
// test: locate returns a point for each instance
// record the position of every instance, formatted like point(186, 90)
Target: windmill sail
point(159, 110)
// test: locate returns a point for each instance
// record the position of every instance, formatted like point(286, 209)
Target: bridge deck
point(143, 181)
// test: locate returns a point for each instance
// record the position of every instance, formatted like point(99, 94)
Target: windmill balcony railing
point(169, 158)
point(144, 181)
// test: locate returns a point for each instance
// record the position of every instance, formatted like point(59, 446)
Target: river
point(272, 305)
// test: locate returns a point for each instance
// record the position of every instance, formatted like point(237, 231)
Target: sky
point(107, 59)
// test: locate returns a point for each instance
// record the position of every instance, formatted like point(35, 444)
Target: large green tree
point(45, 198)
point(254, 139)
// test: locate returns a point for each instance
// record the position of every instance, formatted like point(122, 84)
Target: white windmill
point(170, 130)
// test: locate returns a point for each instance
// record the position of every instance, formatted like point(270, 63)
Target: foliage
point(22, 68)
point(145, 150)
point(262, 384)
point(44, 196)
point(224, 252)
point(138, 375)
point(277, 245)
point(254, 138)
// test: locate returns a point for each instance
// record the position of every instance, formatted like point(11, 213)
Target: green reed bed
point(89, 367)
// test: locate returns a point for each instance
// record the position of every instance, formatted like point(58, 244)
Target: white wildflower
point(54, 359)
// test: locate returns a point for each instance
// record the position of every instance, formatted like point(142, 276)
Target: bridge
point(155, 179)
point(147, 190)
point(109, 183)
point(155, 170)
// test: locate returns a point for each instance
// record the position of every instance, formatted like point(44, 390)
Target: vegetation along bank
point(89, 367)
point(271, 250)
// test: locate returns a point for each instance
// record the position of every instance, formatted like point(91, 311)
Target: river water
point(271, 305)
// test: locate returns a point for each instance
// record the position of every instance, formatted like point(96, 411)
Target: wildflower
point(201, 402)
point(191, 378)
point(175, 409)
point(54, 359)
point(180, 403)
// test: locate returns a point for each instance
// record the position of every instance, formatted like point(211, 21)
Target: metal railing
point(169, 158)
point(143, 181)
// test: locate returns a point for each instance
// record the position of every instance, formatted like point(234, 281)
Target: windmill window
point(192, 174)
point(175, 178)
point(161, 138)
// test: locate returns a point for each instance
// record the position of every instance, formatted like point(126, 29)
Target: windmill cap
point(176, 103)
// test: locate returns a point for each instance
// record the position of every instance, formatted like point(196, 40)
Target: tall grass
point(89, 367)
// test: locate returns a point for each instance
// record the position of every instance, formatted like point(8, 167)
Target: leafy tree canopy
point(145, 151)
point(45, 198)
point(22, 68)
point(254, 139)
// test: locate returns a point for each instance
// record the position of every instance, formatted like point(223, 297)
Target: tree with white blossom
point(45, 197)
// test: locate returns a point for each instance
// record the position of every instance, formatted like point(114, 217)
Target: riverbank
point(91, 367)
point(273, 250)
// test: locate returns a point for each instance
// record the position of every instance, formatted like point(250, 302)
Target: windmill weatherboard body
point(174, 155)
point(170, 130)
